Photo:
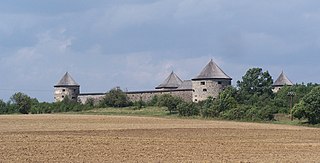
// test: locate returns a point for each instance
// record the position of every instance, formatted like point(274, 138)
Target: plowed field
point(84, 138)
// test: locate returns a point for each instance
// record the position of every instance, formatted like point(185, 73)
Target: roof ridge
point(212, 71)
point(67, 80)
point(172, 81)
point(282, 80)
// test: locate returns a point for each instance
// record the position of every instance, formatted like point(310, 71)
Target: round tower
point(66, 88)
point(281, 82)
point(210, 82)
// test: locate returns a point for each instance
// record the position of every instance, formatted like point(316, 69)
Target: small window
point(219, 82)
point(203, 83)
point(193, 90)
point(74, 90)
point(205, 90)
point(195, 95)
point(195, 99)
point(62, 96)
point(63, 90)
point(73, 98)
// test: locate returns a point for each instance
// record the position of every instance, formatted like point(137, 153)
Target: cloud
point(137, 44)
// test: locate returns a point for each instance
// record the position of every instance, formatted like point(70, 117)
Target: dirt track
point(82, 138)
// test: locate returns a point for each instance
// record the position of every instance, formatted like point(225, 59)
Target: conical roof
point(212, 71)
point(67, 80)
point(282, 80)
point(171, 82)
point(186, 84)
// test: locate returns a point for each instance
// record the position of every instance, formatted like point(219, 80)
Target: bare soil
point(86, 138)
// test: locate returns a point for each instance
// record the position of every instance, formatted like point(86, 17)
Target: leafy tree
point(225, 101)
point(282, 101)
point(169, 101)
point(309, 107)
point(3, 107)
point(255, 87)
point(188, 109)
point(22, 102)
point(153, 101)
point(116, 98)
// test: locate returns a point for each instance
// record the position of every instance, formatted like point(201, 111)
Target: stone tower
point(210, 82)
point(280, 82)
point(66, 88)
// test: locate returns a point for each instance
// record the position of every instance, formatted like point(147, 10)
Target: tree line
point(252, 99)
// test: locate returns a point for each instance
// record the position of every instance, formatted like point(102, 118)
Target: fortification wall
point(185, 94)
point(95, 96)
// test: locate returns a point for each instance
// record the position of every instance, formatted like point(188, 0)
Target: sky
point(135, 44)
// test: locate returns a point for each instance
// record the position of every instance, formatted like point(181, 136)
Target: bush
point(21, 102)
point(188, 109)
point(238, 113)
point(139, 104)
point(115, 98)
point(309, 107)
point(169, 101)
point(263, 114)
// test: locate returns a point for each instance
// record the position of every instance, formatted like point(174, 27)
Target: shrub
point(115, 98)
point(188, 109)
point(169, 101)
point(309, 107)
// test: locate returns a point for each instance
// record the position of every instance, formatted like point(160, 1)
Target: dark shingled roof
point(171, 82)
point(67, 80)
point(186, 84)
point(282, 80)
point(212, 71)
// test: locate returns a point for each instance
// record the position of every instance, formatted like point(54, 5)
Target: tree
point(225, 101)
point(115, 98)
point(309, 107)
point(3, 107)
point(22, 102)
point(256, 86)
point(169, 101)
point(188, 109)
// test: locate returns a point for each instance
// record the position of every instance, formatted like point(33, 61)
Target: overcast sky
point(135, 44)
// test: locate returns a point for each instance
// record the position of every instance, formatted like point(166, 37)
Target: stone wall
point(95, 96)
point(71, 92)
point(202, 89)
point(185, 94)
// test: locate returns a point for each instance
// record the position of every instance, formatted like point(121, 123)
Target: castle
point(210, 82)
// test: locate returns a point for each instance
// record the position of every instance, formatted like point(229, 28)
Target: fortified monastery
point(210, 82)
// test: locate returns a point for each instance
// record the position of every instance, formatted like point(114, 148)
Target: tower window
point(195, 99)
point(203, 83)
point(74, 90)
point(63, 90)
point(193, 90)
point(62, 96)
point(205, 90)
point(219, 82)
